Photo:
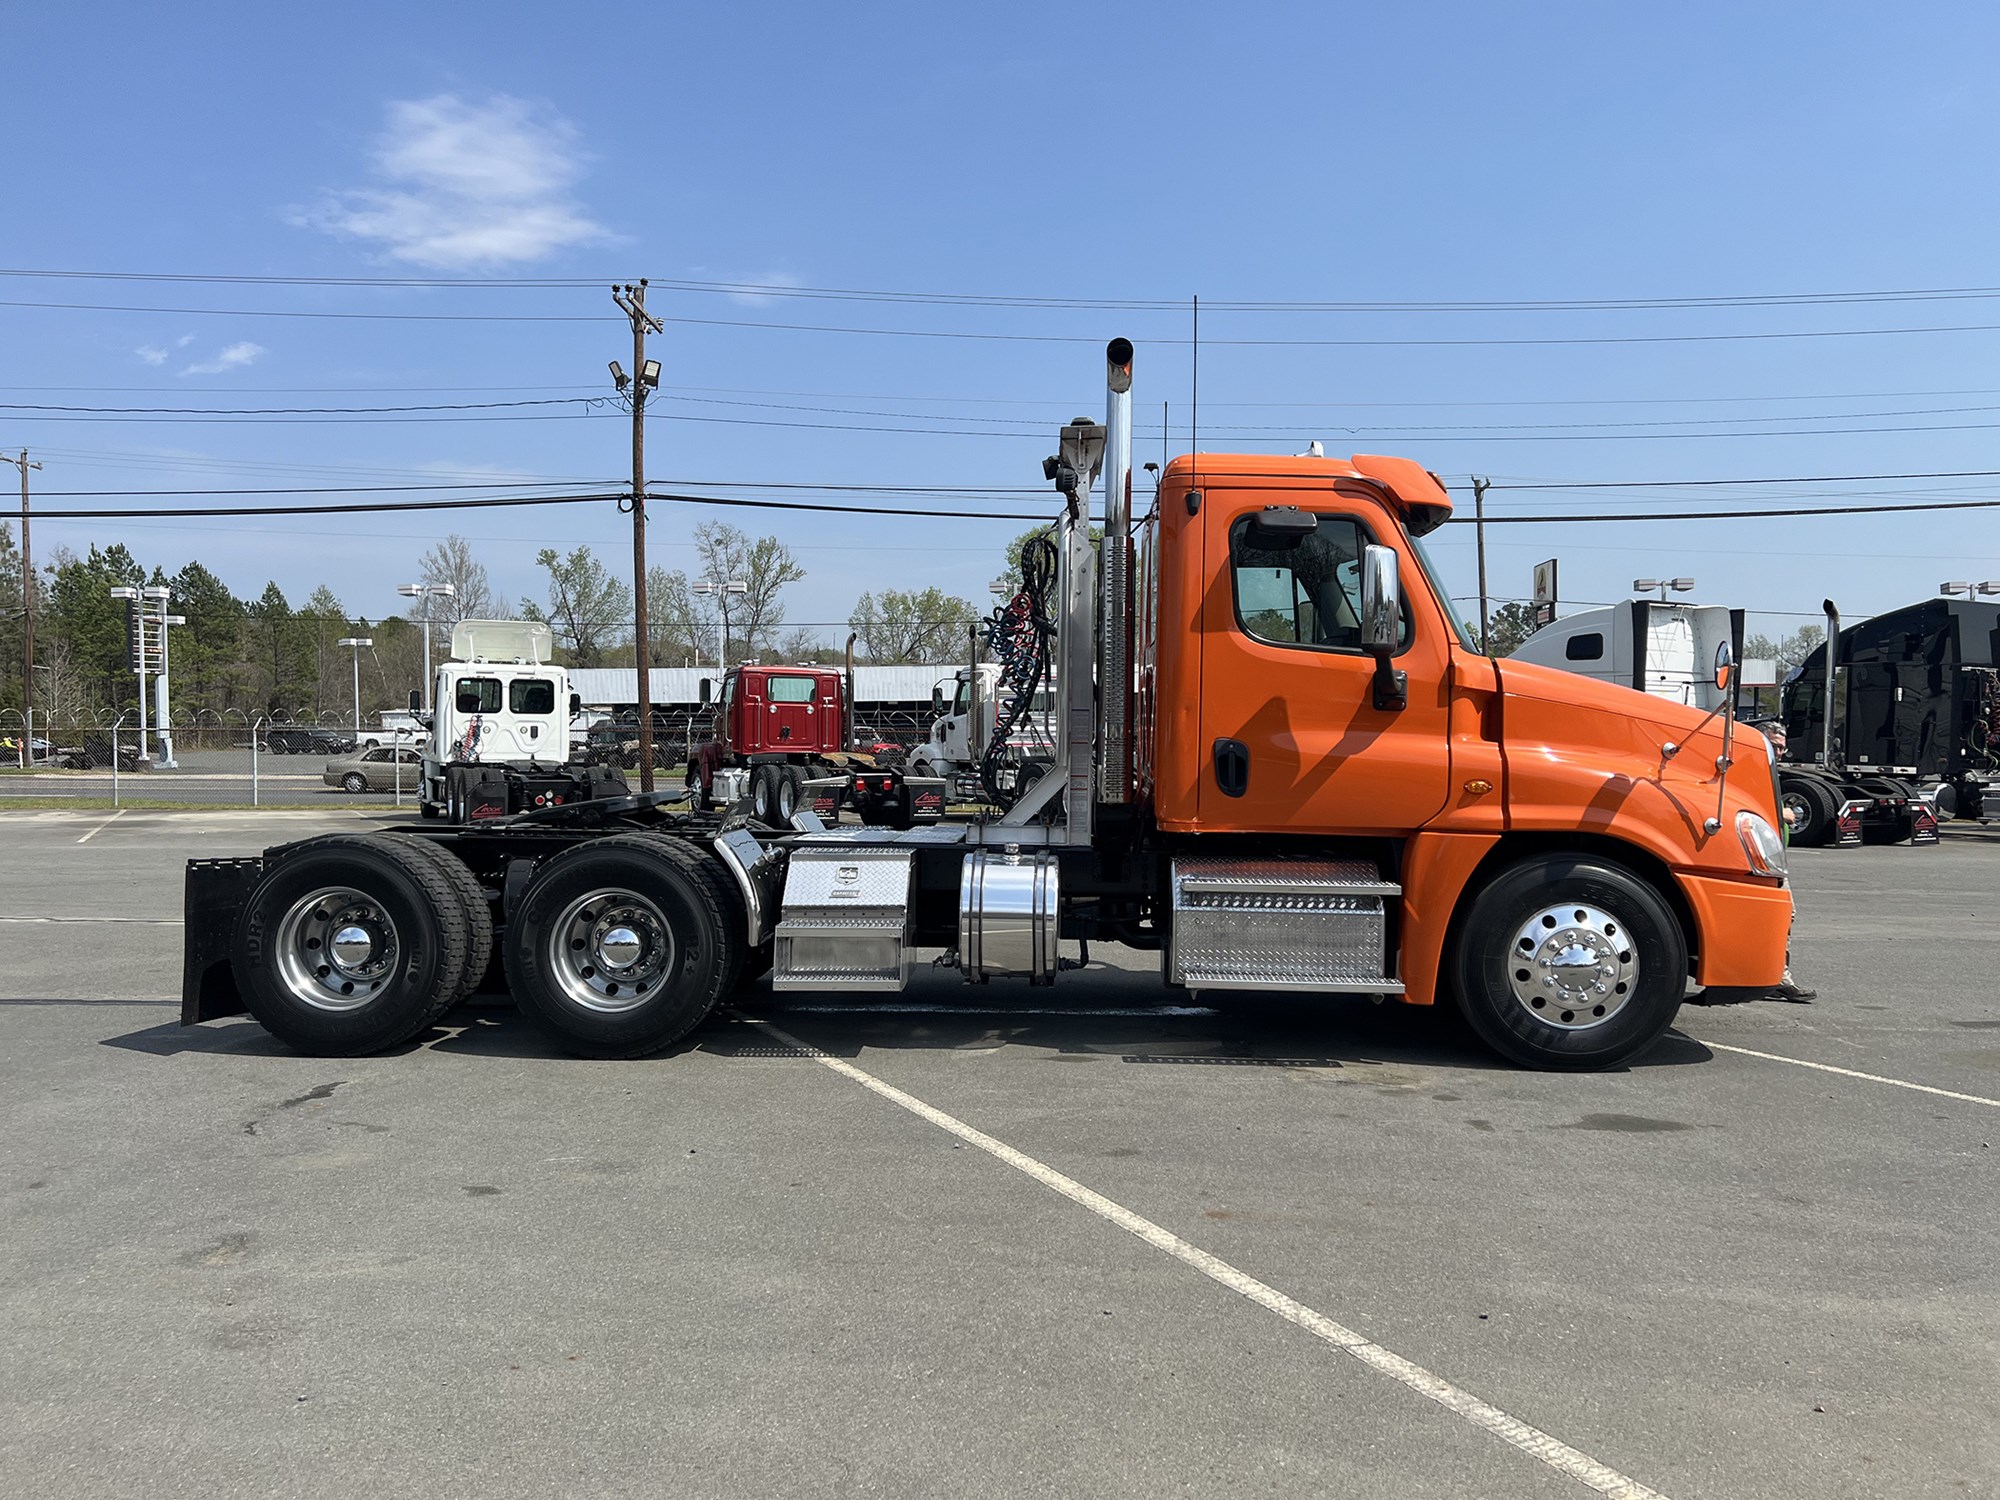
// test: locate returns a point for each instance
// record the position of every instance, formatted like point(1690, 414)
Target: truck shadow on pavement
point(1253, 1033)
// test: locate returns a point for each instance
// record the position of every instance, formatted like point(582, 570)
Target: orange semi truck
point(1279, 766)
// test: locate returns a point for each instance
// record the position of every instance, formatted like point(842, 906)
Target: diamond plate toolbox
point(1286, 924)
point(845, 920)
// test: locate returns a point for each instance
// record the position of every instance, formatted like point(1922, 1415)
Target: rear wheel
point(349, 944)
point(1814, 809)
point(789, 780)
point(764, 781)
point(619, 948)
point(1569, 963)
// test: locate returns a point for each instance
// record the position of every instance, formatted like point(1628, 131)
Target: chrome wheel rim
point(337, 948)
point(788, 799)
point(609, 950)
point(1799, 807)
point(1573, 966)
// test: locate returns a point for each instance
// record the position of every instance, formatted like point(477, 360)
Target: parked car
point(296, 739)
point(377, 770)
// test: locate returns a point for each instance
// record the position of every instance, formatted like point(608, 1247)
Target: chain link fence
point(299, 761)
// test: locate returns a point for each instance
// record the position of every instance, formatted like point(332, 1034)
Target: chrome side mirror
point(1381, 600)
point(1725, 667)
point(1382, 623)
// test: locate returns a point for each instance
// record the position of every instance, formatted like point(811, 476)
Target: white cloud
point(235, 357)
point(152, 354)
point(183, 341)
point(466, 185)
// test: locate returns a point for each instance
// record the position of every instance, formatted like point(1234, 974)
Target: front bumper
point(1741, 930)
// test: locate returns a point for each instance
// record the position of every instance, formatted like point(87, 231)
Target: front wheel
point(1569, 963)
point(354, 781)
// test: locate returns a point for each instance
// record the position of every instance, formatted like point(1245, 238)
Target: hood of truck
point(1577, 752)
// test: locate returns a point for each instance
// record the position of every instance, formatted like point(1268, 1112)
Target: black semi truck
point(1916, 709)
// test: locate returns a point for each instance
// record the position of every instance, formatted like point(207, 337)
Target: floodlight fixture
point(649, 374)
point(618, 376)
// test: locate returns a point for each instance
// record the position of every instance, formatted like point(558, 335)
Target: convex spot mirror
point(1725, 666)
point(1279, 528)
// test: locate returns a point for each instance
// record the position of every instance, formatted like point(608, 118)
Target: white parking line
point(835, 1009)
point(93, 921)
point(102, 826)
point(1800, 1062)
point(1533, 1441)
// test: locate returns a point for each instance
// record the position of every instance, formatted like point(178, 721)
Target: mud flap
point(216, 890)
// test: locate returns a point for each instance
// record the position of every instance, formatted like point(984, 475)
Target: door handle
point(1232, 767)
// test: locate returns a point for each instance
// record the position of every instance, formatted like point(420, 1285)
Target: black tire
point(1817, 810)
point(727, 895)
point(398, 989)
point(472, 901)
point(790, 793)
point(764, 794)
point(686, 966)
point(1536, 1006)
point(354, 781)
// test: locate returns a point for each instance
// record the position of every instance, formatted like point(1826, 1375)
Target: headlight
point(1761, 845)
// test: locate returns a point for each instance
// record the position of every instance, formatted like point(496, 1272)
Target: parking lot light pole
point(732, 586)
point(163, 733)
point(425, 592)
point(1647, 585)
point(357, 642)
point(1990, 586)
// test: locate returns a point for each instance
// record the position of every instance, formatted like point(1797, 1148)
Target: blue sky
point(1419, 153)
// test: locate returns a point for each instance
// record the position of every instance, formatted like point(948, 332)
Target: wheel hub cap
point(351, 946)
point(336, 948)
point(1572, 967)
point(610, 949)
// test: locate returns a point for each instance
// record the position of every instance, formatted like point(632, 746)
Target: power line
point(997, 300)
point(1642, 484)
point(274, 411)
point(1031, 338)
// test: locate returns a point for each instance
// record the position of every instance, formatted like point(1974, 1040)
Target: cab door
point(1292, 739)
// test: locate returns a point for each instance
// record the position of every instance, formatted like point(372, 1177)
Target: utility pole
point(1479, 489)
point(631, 300)
point(27, 607)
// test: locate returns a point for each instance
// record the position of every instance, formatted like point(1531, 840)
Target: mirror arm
point(1392, 688)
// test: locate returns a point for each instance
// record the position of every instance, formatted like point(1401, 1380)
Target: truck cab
point(499, 739)
point(967, 713)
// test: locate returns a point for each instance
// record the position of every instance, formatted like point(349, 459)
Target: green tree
point(749, 620)
point(451, 561)
point(587, 609)
point(80, 609)
point(208, 666)
point(10, 619)
point(925, 625)
point(1012, 576)
point(1511, 625)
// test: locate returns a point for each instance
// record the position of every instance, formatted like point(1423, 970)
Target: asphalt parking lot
point(1092, 1240)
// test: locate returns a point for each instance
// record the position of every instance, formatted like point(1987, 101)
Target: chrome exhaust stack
point(1114, 614)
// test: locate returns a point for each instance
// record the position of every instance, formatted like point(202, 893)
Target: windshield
point(1458, 626)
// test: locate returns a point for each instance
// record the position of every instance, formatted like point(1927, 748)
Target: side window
point(478, 695)
point(790, 689)
point(531, 695)
point(1303, 595)
point(1584, 647)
